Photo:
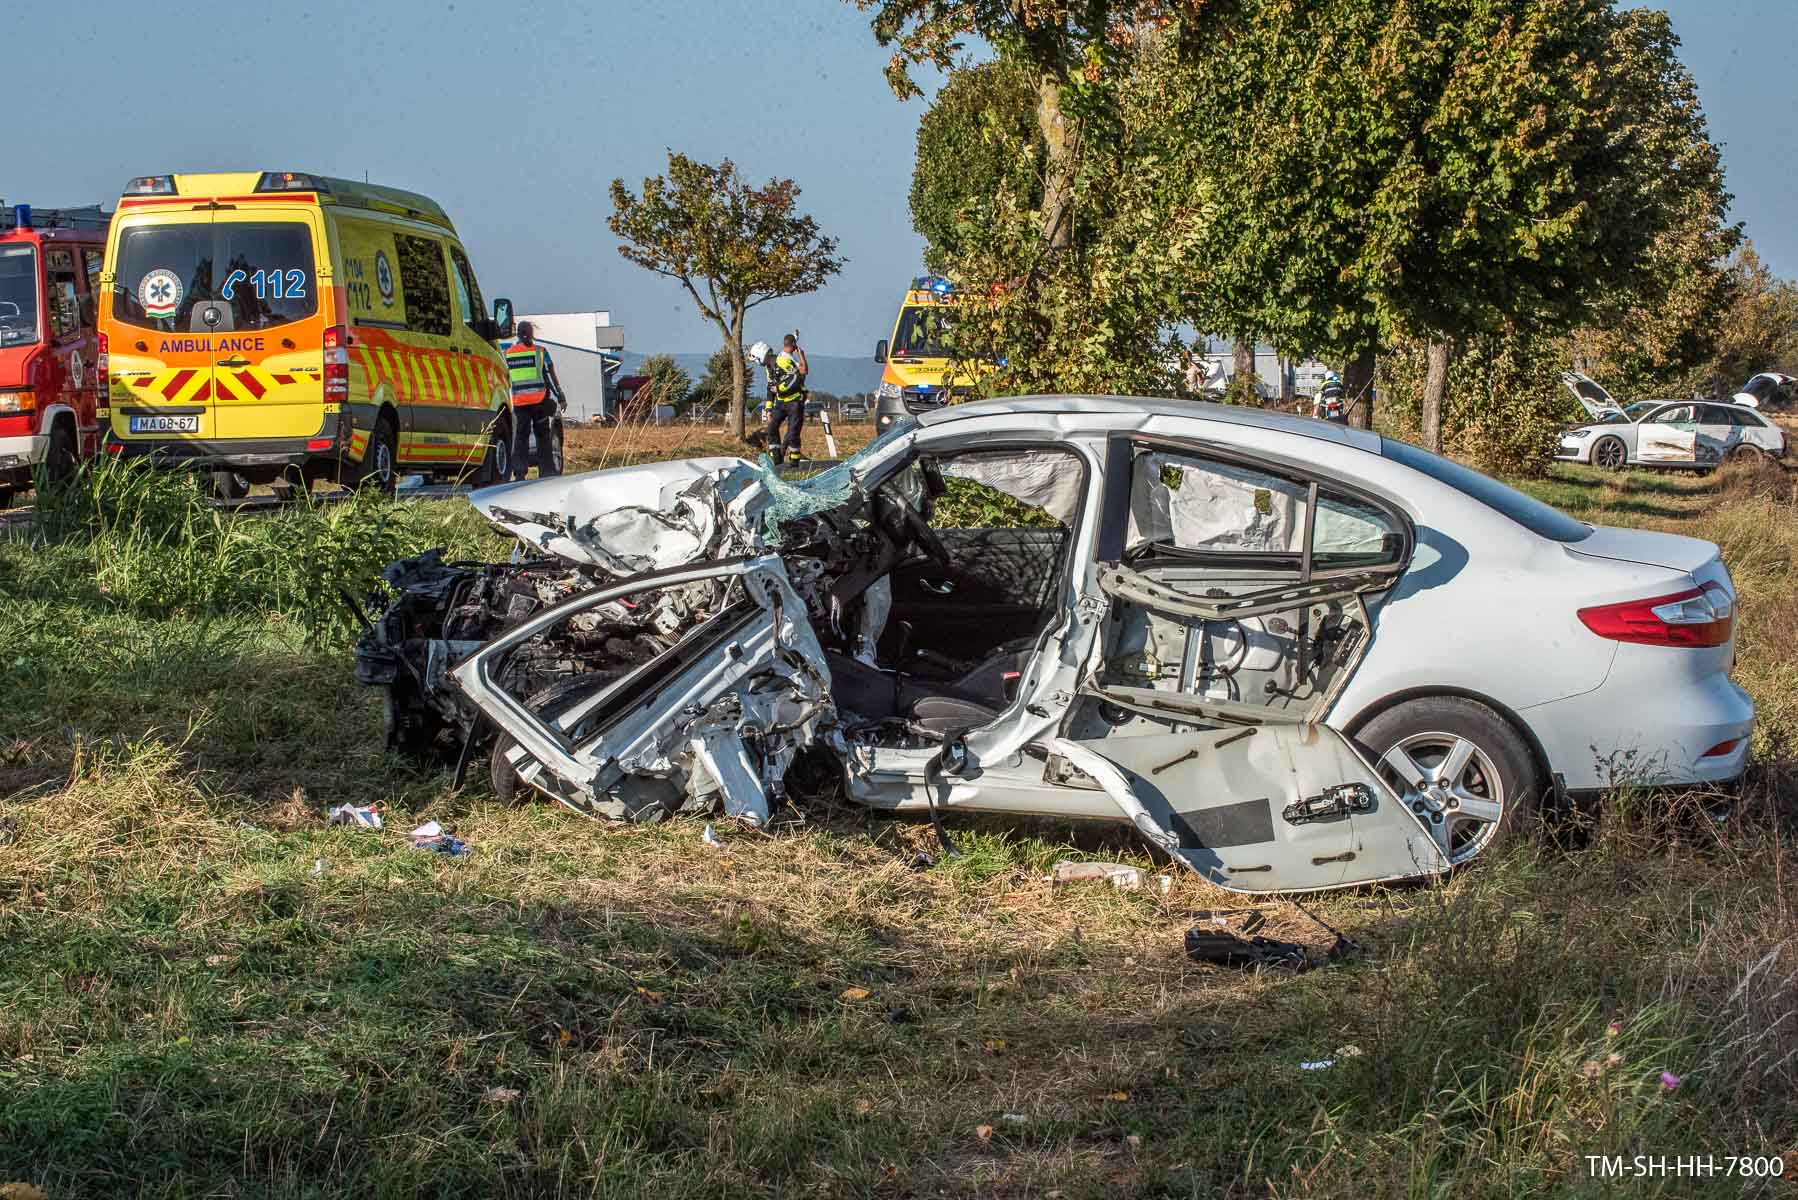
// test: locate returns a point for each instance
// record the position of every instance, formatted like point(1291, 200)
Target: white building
point(1307, 374)
point(585, 348)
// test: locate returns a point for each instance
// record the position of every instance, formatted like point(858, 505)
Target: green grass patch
point(204, 989)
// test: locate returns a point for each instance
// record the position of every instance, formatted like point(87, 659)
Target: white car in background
point(1673, 433)
point(1291, 654)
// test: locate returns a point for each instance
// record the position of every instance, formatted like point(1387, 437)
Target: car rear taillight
point(1703, 616)
point(103, 364)
point(337, 364)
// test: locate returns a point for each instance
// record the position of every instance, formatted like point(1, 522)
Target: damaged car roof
point(1137, 407)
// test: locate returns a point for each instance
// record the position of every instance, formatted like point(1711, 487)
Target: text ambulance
point(276, 324)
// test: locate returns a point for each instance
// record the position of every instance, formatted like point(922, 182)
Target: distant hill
point(830, 372)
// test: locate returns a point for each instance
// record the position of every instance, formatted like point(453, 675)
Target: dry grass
point(207, 990)
point(590, 447)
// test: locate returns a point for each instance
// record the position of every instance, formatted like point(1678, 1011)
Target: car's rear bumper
point(1645, 735)
point(232, 452)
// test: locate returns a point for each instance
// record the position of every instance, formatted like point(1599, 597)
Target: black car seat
point(975, 697)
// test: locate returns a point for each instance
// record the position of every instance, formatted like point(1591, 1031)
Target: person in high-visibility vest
point(785, 403)
point(534, 383)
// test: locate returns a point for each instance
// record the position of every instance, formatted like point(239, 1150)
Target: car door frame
point(1645, 431)
point(1380, 839)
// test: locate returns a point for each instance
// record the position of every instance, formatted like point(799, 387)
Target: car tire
point(380, 470)
point(496, 464)
point(1747, 453)
point(1610, 454)
point(1490, 802)
point(60, 457)
point(507, 786)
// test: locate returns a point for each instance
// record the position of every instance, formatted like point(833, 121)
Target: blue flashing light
point(22, 215)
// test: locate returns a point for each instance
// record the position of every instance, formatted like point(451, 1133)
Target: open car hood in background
point(1599, 404)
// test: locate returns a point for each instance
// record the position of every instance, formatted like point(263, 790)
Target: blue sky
point(516, 117)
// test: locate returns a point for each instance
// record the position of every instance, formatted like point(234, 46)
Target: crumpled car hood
point(630, 520)
point(623, 519)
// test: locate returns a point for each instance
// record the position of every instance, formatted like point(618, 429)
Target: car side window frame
point(65, 316)
point(463, 271)
point(419, 306)
point(1121, 462)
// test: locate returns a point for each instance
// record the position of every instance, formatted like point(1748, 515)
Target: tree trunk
point(1242, 365)
point(1435, 383)
point(1357, 382)
point(1058, 174)
point(1288, 388)
point(739, 383)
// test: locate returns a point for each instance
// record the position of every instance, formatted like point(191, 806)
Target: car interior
point(968, 594)
point(1208, 534)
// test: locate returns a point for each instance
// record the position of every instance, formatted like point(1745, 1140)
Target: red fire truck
point(49, 369)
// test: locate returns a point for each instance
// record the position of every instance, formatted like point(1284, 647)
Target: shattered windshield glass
point(789, 500)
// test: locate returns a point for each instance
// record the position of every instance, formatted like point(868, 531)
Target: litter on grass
point(364, 816)
point(1220, 948)
point(1121, 876)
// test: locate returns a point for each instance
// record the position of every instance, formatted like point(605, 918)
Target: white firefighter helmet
point(758, 352)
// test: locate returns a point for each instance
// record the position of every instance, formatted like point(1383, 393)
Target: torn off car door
point(720, 714)
point(1253, 798)
point(1268, 808)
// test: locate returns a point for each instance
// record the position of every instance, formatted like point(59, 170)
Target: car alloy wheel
point(1452, 786)
point(1610, 454)
point(1746, 453)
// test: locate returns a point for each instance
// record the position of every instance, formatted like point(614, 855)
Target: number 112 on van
point(269, 285)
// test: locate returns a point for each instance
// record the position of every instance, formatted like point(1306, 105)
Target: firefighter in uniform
point(785, 403)
point(533, 411)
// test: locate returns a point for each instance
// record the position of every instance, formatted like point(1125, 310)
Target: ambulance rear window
point(214, 278)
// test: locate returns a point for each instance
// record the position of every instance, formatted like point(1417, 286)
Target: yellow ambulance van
point(279, 326)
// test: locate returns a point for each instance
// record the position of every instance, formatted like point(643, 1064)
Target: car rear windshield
point(215, 277)
point(1532, 514)
point(18, 295)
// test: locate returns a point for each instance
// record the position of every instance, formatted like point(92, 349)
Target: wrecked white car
point(1233, 629)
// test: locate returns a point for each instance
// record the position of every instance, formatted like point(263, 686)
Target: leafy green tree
point(715, 384)
point(979, 137)
point(732, 244)
point(669, 382)
point(1062, 45)
point(1445, 170)
point(1759, 330)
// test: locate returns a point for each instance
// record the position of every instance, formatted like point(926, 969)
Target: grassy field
point(588, 448)
point(207, 991)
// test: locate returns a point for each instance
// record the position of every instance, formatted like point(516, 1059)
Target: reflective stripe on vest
point(525, 365)
point(787, 388)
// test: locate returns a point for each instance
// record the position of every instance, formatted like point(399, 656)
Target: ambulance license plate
point(181, 423)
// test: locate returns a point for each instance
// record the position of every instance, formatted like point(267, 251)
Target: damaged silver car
point(1154, 612)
